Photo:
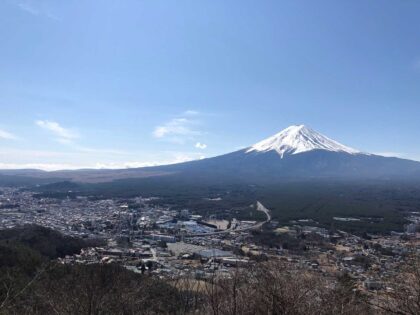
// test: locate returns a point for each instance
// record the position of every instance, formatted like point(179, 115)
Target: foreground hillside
point(264, 288)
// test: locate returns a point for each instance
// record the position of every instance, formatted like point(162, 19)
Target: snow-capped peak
point(299, 139)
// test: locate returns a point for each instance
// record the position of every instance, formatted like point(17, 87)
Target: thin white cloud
point(27, 7)
point(5, 135)
point(191, 112)
point(36, 8)
point(64, 135)
point(177, 130)
point(200, 145)
point(68, 137)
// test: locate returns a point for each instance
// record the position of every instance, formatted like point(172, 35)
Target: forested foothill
point(33, 281)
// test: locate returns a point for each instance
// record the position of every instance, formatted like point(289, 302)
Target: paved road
point(260, 207)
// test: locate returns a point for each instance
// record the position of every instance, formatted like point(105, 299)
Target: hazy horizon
point(105, 84)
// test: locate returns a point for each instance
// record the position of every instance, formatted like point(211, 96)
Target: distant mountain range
point(297, 152)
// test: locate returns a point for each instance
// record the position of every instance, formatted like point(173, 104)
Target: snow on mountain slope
point(299, 139)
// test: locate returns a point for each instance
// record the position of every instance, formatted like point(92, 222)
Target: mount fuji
point(296, 153)
point(299, 139)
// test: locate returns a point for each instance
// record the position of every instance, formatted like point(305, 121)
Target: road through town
point(258, 225)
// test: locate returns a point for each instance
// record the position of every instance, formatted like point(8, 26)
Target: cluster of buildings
point(145, 237)
point(371, 260)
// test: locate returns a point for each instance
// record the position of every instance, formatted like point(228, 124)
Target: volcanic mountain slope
point(297, 152)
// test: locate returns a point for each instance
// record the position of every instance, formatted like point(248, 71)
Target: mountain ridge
point(297, 152)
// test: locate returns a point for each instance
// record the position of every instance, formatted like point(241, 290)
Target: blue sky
point(130, 83)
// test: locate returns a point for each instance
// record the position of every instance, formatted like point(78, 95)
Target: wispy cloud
point(5, 135)
point(26, 6)
point(63, 135)
point(36, 8)
point(200, 145)
point(178, 130)
point(191, 112)
point(70, 137)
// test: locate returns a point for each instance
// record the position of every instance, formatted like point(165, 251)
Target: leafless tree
point(403, 294)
